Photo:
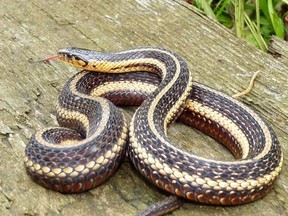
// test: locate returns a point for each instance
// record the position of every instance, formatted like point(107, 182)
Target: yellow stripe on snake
point(90, 143)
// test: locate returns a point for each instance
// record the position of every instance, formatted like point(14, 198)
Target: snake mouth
point(73, 56)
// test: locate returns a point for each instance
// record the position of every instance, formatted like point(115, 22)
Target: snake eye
point(69, 56)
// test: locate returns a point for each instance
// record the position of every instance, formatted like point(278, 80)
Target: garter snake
point(91, 141)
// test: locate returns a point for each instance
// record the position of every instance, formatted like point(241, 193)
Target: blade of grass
point(264, 8)
point(220, 7)
point(276, 21)
point(257, 8)
point(239, 18)
point(205, 6)
point(257, 34)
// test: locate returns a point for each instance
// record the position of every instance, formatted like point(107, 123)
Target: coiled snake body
point(88, 147)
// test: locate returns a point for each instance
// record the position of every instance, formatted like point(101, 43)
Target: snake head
point(75, 56)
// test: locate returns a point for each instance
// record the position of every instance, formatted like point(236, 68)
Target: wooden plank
point(279, 49)
point(28, 93)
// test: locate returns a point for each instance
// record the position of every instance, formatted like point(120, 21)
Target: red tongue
point(46, 60)
point(51, 58)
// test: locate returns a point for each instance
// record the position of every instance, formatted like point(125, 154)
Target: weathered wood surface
point(279, 49)
point(31, 30)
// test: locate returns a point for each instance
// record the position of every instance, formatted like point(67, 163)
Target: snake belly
point(90, 144)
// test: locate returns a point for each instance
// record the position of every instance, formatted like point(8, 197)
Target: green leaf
point(225, 20)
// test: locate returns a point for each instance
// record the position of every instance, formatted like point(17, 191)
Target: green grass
point(255, 20)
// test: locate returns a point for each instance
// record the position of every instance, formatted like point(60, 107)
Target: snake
point(93, 135)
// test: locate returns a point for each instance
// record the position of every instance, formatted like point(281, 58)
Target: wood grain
point(31, 30)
